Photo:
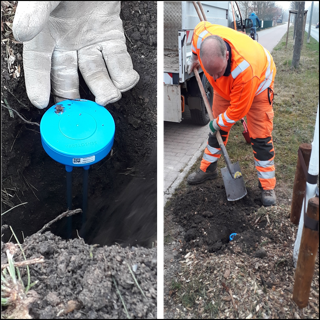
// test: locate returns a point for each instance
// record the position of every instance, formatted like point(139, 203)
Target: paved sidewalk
point(183, 144)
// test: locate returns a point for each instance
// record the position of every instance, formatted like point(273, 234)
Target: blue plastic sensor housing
point(232, 235)
point(77, 133)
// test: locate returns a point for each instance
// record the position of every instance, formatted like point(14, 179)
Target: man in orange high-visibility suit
point(242, 74)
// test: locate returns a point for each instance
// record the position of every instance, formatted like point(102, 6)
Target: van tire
point(201, 117)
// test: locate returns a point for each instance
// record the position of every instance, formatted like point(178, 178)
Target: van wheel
point(201, 117)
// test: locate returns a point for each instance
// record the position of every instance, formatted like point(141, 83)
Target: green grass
point(211, 309)
point(175, 285)
point(13, 290)
point(189, 298)
point(167, 239)
point(295, 103)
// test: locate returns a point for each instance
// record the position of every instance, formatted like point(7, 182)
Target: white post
point(310, 188)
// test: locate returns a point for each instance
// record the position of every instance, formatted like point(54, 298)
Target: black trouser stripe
point(213, 141)
point(263, 148)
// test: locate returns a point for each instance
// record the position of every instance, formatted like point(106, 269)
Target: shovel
point(232, 176)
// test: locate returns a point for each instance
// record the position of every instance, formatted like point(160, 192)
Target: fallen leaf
point(227, 274)
point(226, 298)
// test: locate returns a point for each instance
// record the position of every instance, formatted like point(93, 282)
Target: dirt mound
point(84, 274)
point(209, 219)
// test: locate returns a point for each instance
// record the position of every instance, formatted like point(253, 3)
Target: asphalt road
point(269, 38)
point(314, 32)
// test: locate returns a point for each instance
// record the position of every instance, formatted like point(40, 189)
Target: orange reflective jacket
point(252, 70)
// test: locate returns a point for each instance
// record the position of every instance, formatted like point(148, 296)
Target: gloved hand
point(60, 36)
point(193, 63)
point(213, 126)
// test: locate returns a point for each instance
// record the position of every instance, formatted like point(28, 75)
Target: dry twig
point(9, 108)
point(15, 139)
point(68, 213)
point(13, 208)
point(26, 107)
point(24, 263)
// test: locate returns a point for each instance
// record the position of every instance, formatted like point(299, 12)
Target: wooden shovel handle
point(206, 102)
point(195, 6)
point(218, 135)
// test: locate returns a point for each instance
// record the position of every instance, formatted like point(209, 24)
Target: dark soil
point(75, 271)
point(198, 221)
point(209, 219)
point(122, 200)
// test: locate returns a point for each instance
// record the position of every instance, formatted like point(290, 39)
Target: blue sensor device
point(232, 235)
point(77, 133)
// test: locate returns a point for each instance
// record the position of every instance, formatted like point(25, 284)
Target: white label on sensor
point(83, 160)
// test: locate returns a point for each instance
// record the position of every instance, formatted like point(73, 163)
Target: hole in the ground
point(122, 186)
point(209, 219)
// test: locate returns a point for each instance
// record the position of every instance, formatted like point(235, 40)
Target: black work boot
point(268, 197)
point(199, 176)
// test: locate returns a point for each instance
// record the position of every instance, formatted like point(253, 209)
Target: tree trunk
point(296, 7)
point(299, 34)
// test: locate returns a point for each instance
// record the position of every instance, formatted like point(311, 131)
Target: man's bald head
point(213, 46)
point(214, 56)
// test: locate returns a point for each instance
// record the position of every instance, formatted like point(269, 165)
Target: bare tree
point(294, 6)
point(245, 8)
point(265, 10)
point(299, 34)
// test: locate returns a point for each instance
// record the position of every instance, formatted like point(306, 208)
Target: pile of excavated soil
point(83, 276)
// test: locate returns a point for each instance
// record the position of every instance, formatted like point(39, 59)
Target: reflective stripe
point(201, 35)
point(209, 158)
point(193, 48)
point(228, 120)
point(213, 150)
point(241, 67)
point(265, 84)
point(220, 121)
point(266, 175)
point(264, 164)
point(268, 76)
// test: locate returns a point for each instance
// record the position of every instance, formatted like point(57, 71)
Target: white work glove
point(60, 36)
point(193, 63)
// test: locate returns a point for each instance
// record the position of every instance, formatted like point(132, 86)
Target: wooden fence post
point(307, 257)
point(299, 187)
point(304, 24)
point(288, 29)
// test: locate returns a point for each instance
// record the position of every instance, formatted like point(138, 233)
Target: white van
point(181, 90)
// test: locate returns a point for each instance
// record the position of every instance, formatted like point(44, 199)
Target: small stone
point(260, 253)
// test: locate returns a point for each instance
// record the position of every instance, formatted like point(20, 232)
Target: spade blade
point(235, 188)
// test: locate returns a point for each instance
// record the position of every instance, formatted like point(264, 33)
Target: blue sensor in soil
point(77, 133)
point(232, 235)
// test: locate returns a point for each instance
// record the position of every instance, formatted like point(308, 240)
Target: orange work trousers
point(260, 126)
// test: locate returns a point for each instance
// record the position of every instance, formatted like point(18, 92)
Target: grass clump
point(13, 292)
point(15, 297)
